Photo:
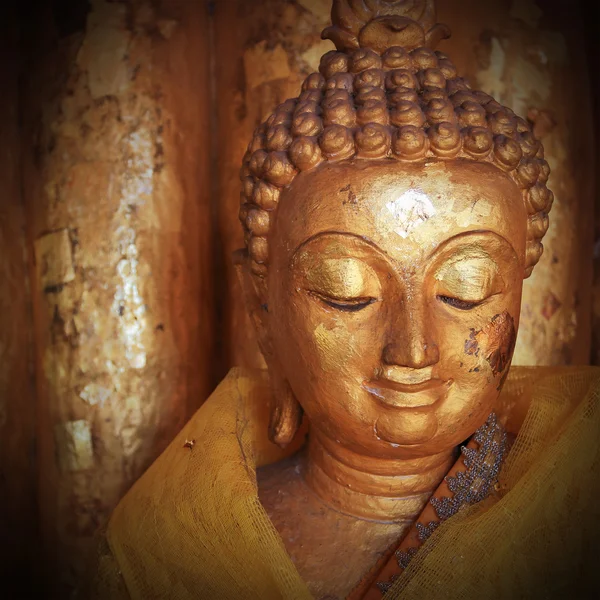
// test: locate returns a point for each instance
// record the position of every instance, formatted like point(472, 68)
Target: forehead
point(405, 210)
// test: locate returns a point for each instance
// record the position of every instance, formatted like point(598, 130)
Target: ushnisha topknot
point(386, 94)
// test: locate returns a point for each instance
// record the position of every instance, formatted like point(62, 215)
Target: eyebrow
point(354, 236)
point(383, 254)
point(473, 253)
point(467, 234)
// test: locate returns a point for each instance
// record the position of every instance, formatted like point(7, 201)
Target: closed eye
point(458, 303)
point(345, 304)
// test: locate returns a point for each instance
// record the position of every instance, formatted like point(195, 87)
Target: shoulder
point(159, 508)
point(556, 390)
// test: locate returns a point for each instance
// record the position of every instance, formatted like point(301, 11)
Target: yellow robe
point(193, 526)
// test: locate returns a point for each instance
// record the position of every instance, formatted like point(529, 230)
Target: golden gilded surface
point(393, 318)
point(341, 278)
point(403, 328)
point(399, 214)
point(471, 275)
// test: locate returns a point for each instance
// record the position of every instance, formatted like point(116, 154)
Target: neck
point(380, 489)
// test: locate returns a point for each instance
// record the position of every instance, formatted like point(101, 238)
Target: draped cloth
point(193, 526)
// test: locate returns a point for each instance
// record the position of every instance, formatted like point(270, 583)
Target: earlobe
point(286, 412)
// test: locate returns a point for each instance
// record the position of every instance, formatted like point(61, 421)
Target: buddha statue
point(390, 214)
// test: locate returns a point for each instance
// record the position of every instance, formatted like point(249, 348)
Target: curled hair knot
point(265, 195)
point(410, 143)
point(364, 59)
point(397, 57)
point(373, 141)
point(305, 153)
point(257, 221)
point(407, 113)
point(400, 78)
point(278, 138)
point(445, 139)
point(373, 111)
point(507, 152)
point(368, 94)
point(307, 124)
point(333, 62)
point(258, 249)
point(478, 142)
point(424, 58)
point(337, 142)
point(314, 81)
point(278, 170)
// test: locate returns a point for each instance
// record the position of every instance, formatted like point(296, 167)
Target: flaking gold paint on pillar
point(118, 216)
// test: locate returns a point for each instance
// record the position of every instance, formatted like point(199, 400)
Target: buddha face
point(394, 297)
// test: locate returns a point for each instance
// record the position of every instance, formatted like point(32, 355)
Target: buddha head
point(390, 214)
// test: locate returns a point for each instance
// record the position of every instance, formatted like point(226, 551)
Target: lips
point(407, 395)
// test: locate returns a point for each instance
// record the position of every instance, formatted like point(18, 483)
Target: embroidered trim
point(468, 487)
point(483, 465)
point(384, 586)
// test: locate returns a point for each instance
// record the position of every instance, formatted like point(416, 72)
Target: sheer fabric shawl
point(193, 527)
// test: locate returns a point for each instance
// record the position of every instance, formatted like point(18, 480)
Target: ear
point(286, 412)
point(254, 292)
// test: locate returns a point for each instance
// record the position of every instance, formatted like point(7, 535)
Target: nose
point(410, 340)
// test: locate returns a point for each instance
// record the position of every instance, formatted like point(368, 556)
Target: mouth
point(407, 395)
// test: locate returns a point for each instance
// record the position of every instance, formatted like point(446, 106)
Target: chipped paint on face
point(498, 340)
point(339, 347)
point(472, 345)
point(501, 336)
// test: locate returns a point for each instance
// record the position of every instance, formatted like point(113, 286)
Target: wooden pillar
point(528, 54)
point(119, 225)
point(18, 527)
